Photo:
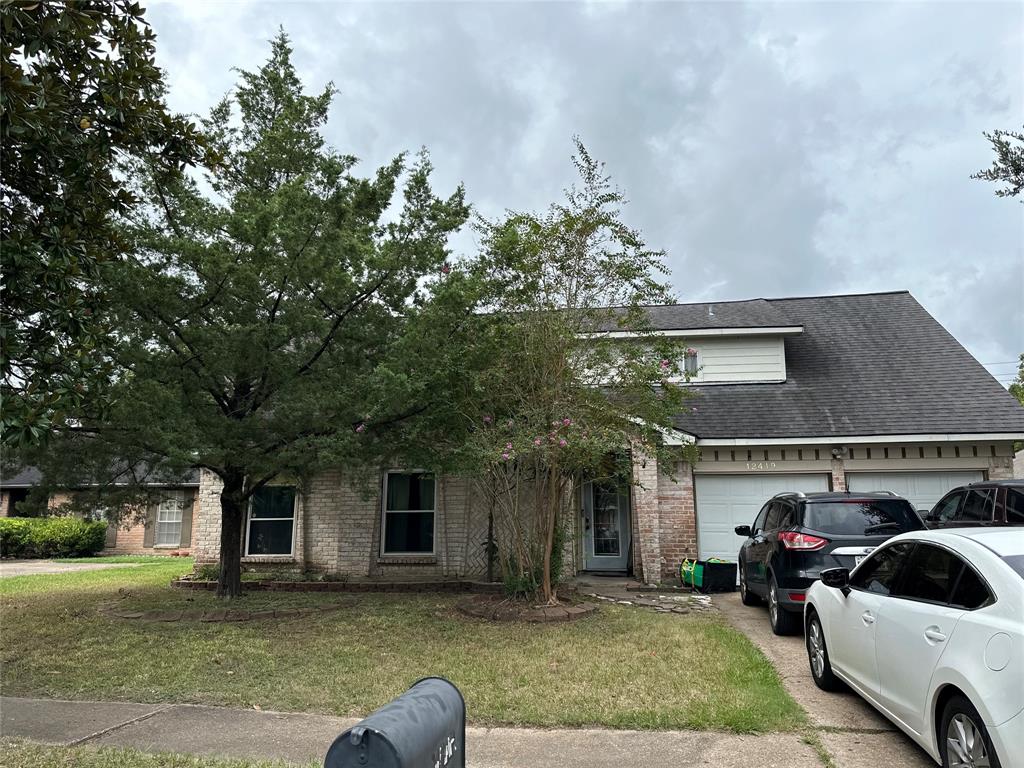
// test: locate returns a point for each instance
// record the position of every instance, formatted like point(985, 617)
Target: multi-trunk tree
point(278, 312)
point(578, 379)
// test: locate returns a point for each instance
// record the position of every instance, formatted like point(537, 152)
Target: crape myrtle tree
point(1008, 167)
point(578, 379)
point(266, 308)
point(79, 92)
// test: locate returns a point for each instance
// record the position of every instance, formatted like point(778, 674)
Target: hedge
point(50, 537)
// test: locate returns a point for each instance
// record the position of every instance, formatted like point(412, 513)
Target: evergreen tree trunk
point(232, 508)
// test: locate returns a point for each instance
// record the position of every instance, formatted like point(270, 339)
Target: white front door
point(606, 527)
point(921, 489)
point(725, 501)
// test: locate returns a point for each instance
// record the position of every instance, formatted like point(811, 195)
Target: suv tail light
point(801, 541)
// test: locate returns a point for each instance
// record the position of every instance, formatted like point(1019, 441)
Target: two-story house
point(860, 392)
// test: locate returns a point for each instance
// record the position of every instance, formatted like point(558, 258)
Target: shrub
point(51, 537)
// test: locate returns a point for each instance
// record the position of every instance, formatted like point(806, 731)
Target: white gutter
point(779, 330)
point(952, 437)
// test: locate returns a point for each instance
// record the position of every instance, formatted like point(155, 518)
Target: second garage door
point(922, 489)
point(725, 501)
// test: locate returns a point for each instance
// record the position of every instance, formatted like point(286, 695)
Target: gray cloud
point(771, 149)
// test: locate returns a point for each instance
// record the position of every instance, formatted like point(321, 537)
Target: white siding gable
point(740, 359)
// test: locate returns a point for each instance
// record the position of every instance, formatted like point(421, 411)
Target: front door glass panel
point(607, 535)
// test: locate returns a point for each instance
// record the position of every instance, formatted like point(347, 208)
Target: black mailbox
point(425, 727)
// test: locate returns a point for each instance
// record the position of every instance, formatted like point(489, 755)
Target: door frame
point(624, 561)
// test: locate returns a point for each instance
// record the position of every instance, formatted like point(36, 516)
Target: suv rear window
point(862, 517)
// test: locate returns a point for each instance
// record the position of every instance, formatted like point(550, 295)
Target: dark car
point(991, 502)
point(797, 535)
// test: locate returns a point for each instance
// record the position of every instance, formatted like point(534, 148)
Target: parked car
point(992, 502)
point(796, 535)
point(929, 629)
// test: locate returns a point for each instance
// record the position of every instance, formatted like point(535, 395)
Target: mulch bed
point(499, 608)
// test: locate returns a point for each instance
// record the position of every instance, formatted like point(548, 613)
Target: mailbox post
point(425, 727)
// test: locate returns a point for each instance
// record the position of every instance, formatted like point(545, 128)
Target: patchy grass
point(122, 559)
point(25, 755)
point(622, 668)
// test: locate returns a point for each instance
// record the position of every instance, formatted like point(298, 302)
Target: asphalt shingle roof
point(753, 313)
point(870, 364)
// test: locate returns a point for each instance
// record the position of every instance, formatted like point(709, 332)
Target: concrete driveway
point(855, 734)
point(35, 567)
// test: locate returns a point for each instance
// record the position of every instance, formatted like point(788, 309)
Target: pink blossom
point(361, 427)
point(445, 268)
point(562, 443)
point(691, 352)
point(664, 365)
point(506, 456)
point(566, 422)
point(537, 441)
point(509, 446)
point(487, 419)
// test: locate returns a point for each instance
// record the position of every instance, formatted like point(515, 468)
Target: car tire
point(783, 622)
point(746, 596)
point(961, 731)
point(817, 656)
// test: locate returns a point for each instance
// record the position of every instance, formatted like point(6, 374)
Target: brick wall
point(5, 503)
point(838, 475)
point(678, 520)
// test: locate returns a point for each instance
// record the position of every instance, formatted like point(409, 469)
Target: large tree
point(79, 92)
point(267, 308)
point(578, 380)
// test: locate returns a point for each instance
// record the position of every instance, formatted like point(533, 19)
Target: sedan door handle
point(935, 635)
point(867, 618)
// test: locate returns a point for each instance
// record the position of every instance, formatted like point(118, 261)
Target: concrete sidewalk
point(223, 732)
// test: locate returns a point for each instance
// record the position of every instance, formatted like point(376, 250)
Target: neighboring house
point(169, 520)
point(1018, 464)
point(861, 392)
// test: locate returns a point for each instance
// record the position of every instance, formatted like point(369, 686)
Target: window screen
point(409, 513)
point(271, 521)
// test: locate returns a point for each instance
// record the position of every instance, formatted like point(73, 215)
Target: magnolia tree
point(578, 379)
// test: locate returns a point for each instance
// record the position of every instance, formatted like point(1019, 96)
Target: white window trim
point(384, 514)
point(248, 522)
point(178, 496)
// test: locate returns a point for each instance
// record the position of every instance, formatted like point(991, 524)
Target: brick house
point(167, 527)
point(860, 392)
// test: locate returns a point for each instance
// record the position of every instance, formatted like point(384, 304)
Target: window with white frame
point(168, 519)
point(409, 502)
point(271, 523)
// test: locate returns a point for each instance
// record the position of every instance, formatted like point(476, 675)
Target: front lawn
point(622, 668)
point(25, 755)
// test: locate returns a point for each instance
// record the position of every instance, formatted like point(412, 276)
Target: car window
point(946, 509)
point(857, 517)
point(929, 575)
point(785, 515)
point(759, 522)
point(774, 515)
point(970, 591)
point(880, 571)
point(1012, 504)
point(977, 506)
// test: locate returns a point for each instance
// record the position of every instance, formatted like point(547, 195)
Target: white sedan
point(930, 630)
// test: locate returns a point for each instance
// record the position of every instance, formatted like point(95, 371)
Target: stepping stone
point(215, 615)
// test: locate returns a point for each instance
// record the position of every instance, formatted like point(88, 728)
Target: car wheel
point(817, 655)
point(783, 622)
point(963, 738)
point(746, 596)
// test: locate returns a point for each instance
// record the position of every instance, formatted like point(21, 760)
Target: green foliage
point(79, 93)
point(265, 308)
point(563, 395)
point(1017, 385)
point(1008, 167)
point(50, 537)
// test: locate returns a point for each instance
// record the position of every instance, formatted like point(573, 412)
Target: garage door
point(922, 489)
point(725, 501)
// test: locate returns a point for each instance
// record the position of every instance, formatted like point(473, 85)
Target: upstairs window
point(409, 507)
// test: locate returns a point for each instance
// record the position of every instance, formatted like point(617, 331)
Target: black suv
point(991, 502)
point(798, 535)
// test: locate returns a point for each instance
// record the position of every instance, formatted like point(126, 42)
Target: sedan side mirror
point(837, 578)
point(742, 530)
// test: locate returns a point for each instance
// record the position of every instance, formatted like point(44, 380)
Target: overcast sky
point(771, 150)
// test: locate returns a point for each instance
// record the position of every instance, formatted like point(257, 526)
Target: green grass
point(24, 755)
point(121, 559)
point(622, 668)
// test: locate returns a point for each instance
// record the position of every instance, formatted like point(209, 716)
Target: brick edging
point(475, 587)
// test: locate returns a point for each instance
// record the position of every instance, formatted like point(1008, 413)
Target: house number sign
point(761, 466)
